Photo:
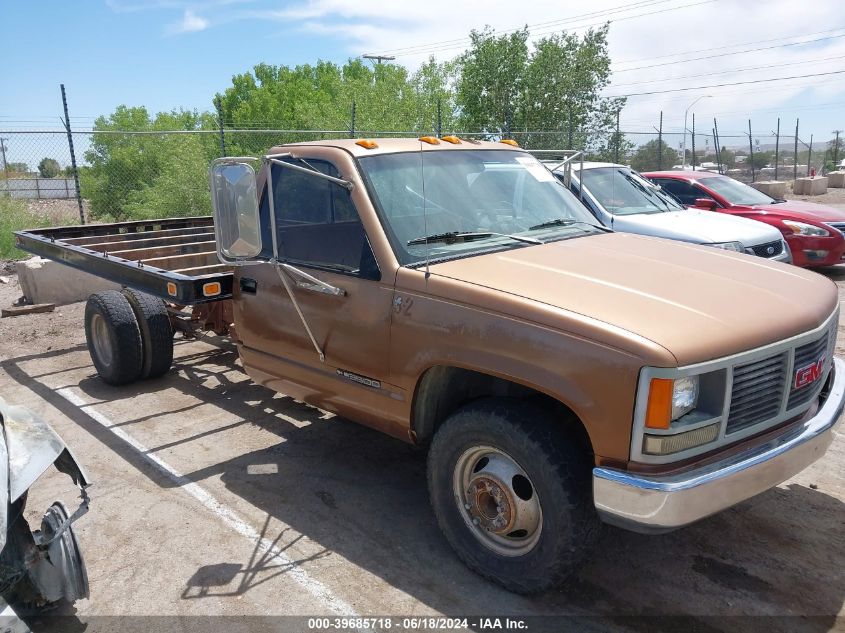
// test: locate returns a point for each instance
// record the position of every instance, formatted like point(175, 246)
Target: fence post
point(751, 151)
point(718, 142)
point(37, 188)
point(795, 159)
point(439, 120)
point(810, 155)
point(352, 127)
point(72, 157)
point(569, 146)
point(660, 143)
point(219, 105)
point(693, 141)
point(777, 148)
point(836, 149)
point(616, 153)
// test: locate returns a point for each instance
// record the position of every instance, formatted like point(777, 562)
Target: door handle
point(249, 286)
point(308, 282)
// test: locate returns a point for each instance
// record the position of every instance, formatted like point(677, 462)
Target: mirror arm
point(338, 181)
point(278, 266)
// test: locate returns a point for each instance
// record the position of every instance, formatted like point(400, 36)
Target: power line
point(736, 83)
point(431, 48)
point(750, 50)
point(462, 40)
point(734, 70)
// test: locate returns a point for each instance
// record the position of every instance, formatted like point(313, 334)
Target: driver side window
point(317, 223)
point(683, 191)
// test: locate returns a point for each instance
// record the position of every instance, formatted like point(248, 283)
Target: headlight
point(805, 229)
point(669, 399)
point(729, 246)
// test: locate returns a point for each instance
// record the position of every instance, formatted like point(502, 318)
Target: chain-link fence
point(146, 174)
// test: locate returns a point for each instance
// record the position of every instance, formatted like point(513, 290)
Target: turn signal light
point(211, 289)
point(454, 140)
point(658, 413)
point(366, 143)
point(171, 289)
point(510, 141)
point(431, 140)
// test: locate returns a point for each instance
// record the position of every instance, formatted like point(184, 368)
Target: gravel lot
point(214, 496)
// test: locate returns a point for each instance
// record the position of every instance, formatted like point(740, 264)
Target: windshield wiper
point(567, 222)
point(467, 236)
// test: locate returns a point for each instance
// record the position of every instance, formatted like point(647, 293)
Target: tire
point(114, 338)
point(156, 332)
point(540, 552)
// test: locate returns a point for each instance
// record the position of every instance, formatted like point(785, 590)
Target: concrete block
point(810, 186)
point(773, 188)
point(836, 179)
point(46, 281)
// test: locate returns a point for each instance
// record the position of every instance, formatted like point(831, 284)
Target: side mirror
point(705, 203)
point(234, 197)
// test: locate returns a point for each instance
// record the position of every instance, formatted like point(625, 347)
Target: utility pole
point(836, 147)
point(3, 152)
point(379, 58)
point(66, 122)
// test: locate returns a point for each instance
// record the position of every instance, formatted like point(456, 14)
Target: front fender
point(30, 446)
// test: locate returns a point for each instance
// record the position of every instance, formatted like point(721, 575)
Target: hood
point(699, 227)
point(699, 303)
point(803, 210)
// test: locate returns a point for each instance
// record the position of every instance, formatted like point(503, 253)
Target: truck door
point(328, 266)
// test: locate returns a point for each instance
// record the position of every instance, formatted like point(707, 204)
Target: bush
point(14, 216)
point(49, 168)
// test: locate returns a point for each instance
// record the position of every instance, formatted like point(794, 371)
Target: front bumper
point(811, 252)
point(651, 503)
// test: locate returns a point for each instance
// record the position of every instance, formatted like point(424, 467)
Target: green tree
point(653, 155)
point(127, 154)
point(49, 168)
point(545, 95)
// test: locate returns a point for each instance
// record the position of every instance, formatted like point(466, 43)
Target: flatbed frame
point(174, 258)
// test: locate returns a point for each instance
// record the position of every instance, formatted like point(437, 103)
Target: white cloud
point(639, 36)
point(190, 23)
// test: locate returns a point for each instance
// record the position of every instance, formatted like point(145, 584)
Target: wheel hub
point(490, 505)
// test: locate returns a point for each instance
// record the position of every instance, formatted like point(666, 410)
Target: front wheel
point(512, 494)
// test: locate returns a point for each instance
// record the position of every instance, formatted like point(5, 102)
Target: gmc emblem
point(810, 373)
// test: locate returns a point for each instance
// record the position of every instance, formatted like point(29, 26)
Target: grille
point(839, 226)
point(762, 250)
point(757, 392)
point(804, 356)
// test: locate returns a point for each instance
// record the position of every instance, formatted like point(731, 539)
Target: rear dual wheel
point(129, 335)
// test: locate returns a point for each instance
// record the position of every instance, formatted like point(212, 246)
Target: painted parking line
point(316, 588)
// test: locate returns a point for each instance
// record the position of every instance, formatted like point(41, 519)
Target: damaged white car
point(43, 567)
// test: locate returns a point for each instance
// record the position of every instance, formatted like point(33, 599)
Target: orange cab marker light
point(509, 141)
point(367, 143)
point(171, 288)
point(454, 140)
point(431, 140)
point(659, 410)
point(211, 289)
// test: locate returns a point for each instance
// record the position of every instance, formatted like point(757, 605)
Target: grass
point(14, 216)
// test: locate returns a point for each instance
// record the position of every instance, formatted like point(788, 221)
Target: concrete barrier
point(773, 188)
point(810, 186)
point(836, 179)
point(46, 281)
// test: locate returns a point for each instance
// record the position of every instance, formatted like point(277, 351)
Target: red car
point(813, 231)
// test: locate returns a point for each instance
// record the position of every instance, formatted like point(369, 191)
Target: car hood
point(700, 227)
point(698, 303)
point(803, 210)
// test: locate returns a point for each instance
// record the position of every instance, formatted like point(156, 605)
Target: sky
point(167, 54)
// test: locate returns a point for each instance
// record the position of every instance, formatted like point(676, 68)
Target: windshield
point(622, 191)
point(499, 197)
point(735, 192)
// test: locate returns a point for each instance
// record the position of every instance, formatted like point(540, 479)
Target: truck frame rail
point(174, 258)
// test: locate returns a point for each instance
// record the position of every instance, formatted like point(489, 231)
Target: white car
point(625, 201)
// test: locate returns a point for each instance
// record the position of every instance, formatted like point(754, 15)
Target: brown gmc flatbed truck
point(453, 294)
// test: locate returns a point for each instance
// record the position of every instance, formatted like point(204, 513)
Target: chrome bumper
point(653, 503)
